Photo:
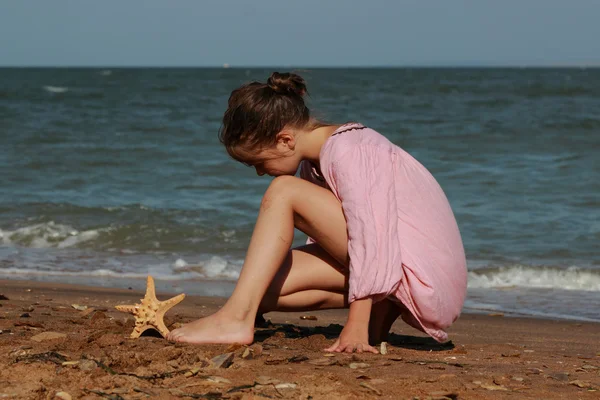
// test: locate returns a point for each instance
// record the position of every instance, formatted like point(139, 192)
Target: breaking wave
point(570, 278)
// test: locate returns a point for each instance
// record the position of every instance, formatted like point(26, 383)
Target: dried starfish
point(150, 313)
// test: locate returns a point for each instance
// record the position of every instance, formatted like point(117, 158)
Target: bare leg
point(288, 202)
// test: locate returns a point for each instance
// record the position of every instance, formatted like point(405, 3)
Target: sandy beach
point(89, 355)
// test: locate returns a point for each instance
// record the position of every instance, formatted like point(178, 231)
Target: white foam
point(47, 235)
point(219, 267)
point(572, 278)
point(214, 268)
point(180, 264)
point(56, 89)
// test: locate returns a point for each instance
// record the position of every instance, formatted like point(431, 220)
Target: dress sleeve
point(365, 184)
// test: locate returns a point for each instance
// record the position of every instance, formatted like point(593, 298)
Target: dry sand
point(92, 357)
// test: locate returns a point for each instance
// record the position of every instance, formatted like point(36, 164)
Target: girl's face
point(273, 161)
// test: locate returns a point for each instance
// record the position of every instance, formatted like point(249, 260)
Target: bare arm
point(355, 335)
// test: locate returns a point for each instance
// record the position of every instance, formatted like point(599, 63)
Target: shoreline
point(488, 357)
point(222, 288)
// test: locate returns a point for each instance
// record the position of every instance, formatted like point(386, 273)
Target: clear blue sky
point(299, 32)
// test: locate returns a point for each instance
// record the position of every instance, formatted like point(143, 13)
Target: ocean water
point(108, 175)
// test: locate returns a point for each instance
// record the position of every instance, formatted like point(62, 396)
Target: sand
point(87, 354)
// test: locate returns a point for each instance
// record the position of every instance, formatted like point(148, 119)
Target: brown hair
point(257, 112)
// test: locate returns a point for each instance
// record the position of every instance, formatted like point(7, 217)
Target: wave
point(215, 268)
point(56, 89)
point(571, 278)
point(136, 228)
point(47, 235)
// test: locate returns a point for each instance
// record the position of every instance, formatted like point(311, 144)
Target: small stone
point(309, 317)
point(329, 355)
point(247, 354)
point(3, 297)
point(528, 351)
point(48, 336)
point(69, 363)
point(63, 396)
point(395, 358)
point(590, 367)
point(79, 307)
point(285, 385)
point(322, 362)
point(517, 378)
point(87, 365)
point(371, 388)
point(192, 372)
point(173, 363)
point(28, 309)
point(358, 365)
point(383, 348)
point(581, 384)
point(222, 361)
point(511, 354)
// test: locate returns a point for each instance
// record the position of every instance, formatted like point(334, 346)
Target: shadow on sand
point(266, 329)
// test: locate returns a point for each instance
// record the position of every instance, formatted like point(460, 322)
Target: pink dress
point(403, 240)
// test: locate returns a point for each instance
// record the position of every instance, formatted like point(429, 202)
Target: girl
point(383, 240)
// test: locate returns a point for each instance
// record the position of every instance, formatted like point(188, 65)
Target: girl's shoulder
point(353, 137)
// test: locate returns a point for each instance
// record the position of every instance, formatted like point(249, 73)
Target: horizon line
point(229, 66)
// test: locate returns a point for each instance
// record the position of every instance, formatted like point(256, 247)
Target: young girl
point(383, 240)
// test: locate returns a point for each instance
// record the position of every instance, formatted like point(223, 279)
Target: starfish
point(150, 313)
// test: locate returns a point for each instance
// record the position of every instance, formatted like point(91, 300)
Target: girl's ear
point(286, 140)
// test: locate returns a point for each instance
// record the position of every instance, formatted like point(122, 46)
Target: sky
point(312, 33)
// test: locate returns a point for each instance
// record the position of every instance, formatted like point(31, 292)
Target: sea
point(108, 175)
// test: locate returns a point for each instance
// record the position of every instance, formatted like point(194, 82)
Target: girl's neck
point(313, 140)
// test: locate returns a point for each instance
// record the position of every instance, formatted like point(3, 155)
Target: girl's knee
point(280, 189)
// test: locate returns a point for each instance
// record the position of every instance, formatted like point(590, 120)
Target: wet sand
point(90, 355)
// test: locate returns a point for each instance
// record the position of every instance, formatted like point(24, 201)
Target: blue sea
point(108, 175)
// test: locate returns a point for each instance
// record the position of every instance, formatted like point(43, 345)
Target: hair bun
point(287, 83)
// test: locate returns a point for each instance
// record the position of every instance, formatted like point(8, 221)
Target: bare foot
point(216, 328)
point(383, 315)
